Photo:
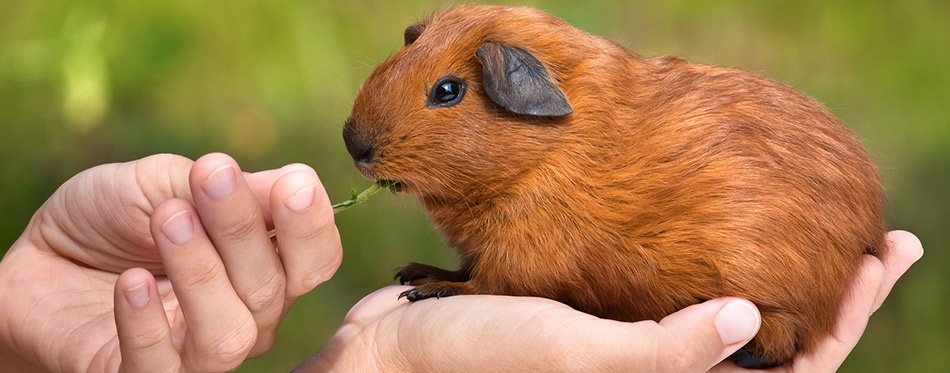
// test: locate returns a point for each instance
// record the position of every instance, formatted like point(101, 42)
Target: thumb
point(698, 337)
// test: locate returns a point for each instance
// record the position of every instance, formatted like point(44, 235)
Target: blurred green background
point(90, 82)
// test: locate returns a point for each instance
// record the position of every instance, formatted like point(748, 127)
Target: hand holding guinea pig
point(498, 333)
point(562, 165)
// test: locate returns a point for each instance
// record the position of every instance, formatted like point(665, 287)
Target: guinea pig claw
point(416, 295)
point(398, 276)
point(405, 278)
point(412, 295)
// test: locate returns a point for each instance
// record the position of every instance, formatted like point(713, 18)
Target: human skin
point(206, 288)
point(497, 333)
point(107, 250)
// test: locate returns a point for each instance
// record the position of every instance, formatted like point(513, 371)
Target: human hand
point(215, 288)
point(503, 333)
point(497, 333)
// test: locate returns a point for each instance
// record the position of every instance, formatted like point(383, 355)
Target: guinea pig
point(562, 165)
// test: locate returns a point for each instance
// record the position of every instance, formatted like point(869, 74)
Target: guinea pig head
point(469, 103)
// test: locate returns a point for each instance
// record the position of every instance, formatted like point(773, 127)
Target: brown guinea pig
point(562, 165)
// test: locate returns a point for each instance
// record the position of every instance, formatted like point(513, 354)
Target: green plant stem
point(362, 196)
point(355, 199)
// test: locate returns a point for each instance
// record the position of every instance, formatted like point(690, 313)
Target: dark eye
point(447, 91)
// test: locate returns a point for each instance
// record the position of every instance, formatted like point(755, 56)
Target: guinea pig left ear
point(513, 78)
point(412, 33)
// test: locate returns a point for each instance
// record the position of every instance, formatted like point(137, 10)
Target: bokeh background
point(90, 82)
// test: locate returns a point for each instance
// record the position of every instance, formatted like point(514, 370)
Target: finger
point(904, 249)
point(233, 218)
point(690, 340)
point(143, 331)
point(221, 330)
point(308, 239)
point(702, 335)
point(165, 178)
point(262, 182)
point(549, 335)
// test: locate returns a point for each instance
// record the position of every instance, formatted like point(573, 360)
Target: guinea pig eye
point(446, 92)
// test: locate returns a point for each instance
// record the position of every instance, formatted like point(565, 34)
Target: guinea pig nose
point(360, 147)
point(364, 155)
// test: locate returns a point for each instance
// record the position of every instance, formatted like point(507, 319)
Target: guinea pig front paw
point(435, 290)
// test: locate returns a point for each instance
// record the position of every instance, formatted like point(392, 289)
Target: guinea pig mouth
point(368, 172)
point(394, 186)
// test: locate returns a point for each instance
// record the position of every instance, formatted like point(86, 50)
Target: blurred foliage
point(90, 82)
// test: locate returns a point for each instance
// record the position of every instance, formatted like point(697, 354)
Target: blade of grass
point(355, 199)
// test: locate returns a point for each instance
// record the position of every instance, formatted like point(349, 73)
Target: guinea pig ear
point(412, 33)
point(513, 78)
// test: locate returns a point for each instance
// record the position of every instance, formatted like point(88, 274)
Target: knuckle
point(321, 273)
point(238, 230)
point(304, 238)
point(269, 293)
point(265, 342)
point(312, 262)
point(201, 275)
point(147, 339)
point(673, 363)
point(229, 351)
point(666, 359)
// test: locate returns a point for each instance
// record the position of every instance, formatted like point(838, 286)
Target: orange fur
point(669, 184)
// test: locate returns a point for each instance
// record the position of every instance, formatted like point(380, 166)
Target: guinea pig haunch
point(562, 165)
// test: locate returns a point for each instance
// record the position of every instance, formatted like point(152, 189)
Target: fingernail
point(736, 322)
point(137, 295)
point(919, 256)
point(179, 228)
point(220, 184)
point(301, 200)
point(295, 167)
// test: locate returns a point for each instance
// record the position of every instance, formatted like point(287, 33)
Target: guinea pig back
point(562, 165)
